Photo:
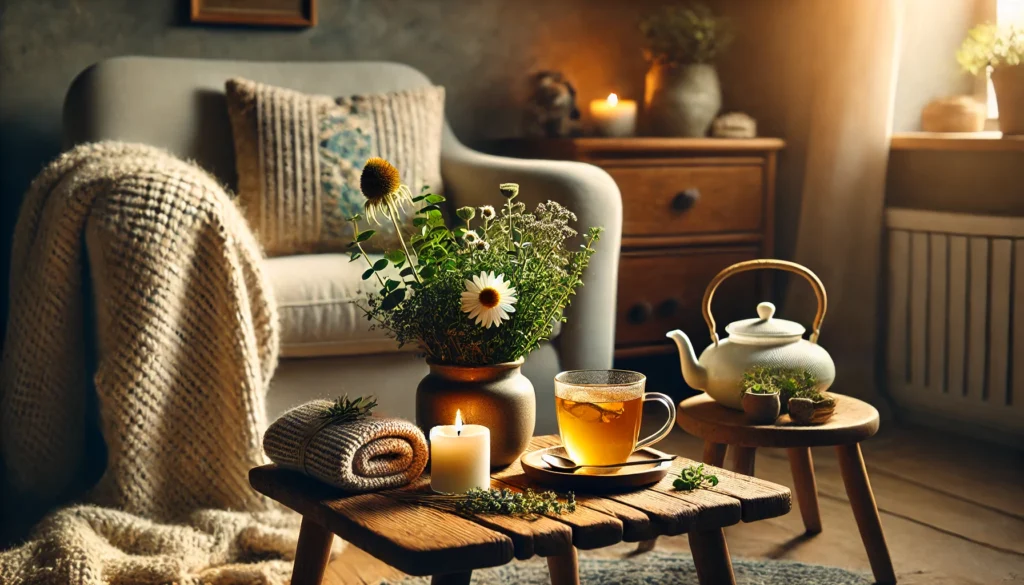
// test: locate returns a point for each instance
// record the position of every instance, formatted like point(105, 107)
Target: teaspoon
point(565, 464)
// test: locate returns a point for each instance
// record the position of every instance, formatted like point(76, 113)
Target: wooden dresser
point(691, 206)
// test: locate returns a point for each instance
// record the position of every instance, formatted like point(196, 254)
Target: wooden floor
point(952, 510)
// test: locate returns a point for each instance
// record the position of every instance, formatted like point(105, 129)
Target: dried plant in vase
point(999, 50)
point(682, 93)
point(476, 297)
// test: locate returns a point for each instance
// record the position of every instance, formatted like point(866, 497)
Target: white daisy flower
point(483, 245)
point(488, 299)
point(470, 237)
point(487, 212)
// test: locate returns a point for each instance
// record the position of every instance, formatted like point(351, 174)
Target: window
point(1007, 12)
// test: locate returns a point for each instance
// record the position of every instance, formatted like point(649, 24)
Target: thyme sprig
point(693, 477)
point(344, 410)
point(528, 505)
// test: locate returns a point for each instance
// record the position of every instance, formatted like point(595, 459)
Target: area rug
point(663, 568)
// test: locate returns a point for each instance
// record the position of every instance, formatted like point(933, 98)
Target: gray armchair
point(179, 105)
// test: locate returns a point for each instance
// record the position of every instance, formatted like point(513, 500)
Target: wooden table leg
point(862, 500)
point(802, 466)
point(714, 453)
point(452, 579)
point(312, 553)
point(564, 568)
point(711, 557)
point(743, 460)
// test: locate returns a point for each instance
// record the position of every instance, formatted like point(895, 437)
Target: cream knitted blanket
point(187, 342)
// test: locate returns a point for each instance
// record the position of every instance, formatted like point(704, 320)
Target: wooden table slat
point(417, 540)
point(591, 527)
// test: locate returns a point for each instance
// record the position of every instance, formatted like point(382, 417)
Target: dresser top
point(591, 147)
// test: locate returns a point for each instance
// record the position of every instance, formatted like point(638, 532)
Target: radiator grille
point(956, 318)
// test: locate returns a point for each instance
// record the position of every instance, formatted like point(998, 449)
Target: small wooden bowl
point(596, 480)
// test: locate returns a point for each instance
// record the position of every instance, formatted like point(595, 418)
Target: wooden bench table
point(422, 540)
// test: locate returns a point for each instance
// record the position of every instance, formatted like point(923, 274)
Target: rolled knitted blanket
point(363, 455)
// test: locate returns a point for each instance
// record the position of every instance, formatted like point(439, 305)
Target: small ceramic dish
point(595, 480)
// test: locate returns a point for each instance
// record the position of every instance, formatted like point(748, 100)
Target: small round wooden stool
point(852, 422)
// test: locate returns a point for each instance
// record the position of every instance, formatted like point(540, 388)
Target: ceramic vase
point(1009, 85)
point(498, 397)
point(681, 100)
point(761, 409)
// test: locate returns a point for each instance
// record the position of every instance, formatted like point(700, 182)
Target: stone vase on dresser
point(681, 100)
point(498, 397)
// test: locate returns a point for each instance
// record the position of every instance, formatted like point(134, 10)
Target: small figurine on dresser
point(551, 111)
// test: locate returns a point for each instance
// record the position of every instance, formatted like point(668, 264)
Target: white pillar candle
point(460, 457)
point(614, 117)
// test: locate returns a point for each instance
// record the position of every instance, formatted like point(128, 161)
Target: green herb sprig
point(693, 477)
point(528, 504)
point(344, 410)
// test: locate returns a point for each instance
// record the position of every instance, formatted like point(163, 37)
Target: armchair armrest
point(587, 340)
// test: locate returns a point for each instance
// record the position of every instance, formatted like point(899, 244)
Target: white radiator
point(955, 351)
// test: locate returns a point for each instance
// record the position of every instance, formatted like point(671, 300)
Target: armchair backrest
point(179, 105)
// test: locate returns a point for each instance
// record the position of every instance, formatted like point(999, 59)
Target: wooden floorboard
point(952, 510)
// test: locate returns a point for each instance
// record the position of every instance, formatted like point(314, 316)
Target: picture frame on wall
point(295, 13)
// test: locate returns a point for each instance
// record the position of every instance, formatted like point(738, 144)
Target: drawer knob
point(686, 199)
point(668, 308)
point(639, 313)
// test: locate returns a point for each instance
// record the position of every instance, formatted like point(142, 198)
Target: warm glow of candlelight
point(613, 99)
point(458, 422)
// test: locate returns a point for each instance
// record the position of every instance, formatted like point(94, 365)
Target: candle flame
point(458, 422)
point(613, 99)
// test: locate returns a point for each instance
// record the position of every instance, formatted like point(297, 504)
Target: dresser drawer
point(660, 201)
point(662, 290)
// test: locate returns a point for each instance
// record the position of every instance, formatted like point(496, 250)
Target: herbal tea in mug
point(599, 414)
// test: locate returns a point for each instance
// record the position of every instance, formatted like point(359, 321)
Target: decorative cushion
point(299, 158)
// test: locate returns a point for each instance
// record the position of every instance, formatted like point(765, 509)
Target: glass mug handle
point(667, 427)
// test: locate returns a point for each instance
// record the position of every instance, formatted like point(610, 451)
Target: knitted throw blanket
point(359, 456)
point(187, 342)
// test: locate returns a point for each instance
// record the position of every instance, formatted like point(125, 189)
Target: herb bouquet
point(476, 295)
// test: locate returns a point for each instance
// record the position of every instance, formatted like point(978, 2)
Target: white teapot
point(762, 341)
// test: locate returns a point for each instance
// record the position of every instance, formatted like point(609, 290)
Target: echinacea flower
point(382, 186)
point(483, 245)
point(509, 190)
point(487, 212)
point(488, 299)
point(470, 238)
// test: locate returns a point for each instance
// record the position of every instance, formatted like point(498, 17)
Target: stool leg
point(802, 466)
point(711, 557)
point(452, 579)
point(714, 453)
point(862, 500)
point(564, 569)
point(743, 460)
point(312, 553)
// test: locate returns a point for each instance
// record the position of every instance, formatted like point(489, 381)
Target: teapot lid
point(765, 325)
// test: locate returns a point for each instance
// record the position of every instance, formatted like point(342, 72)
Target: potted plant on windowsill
point(682, 94)
point(476, 297)
point(1002, 50)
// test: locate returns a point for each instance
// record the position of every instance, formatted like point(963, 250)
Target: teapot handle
point(819, 289)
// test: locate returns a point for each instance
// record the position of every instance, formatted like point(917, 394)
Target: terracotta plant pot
point(804, 411)
point(499, 397)
point(1009, 85)
point(761, 409)
point(681, 100)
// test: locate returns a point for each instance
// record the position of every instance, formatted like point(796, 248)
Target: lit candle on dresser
point(614, 117)
point(460, 457)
